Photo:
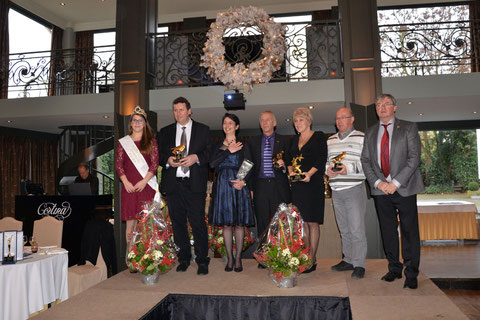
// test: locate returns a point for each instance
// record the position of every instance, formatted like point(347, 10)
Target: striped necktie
point(267, 159)
point(183, 139)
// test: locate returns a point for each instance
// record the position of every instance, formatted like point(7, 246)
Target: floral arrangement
point(282, 249)
point(216, 241)
point(239, 76)
point(151, 247)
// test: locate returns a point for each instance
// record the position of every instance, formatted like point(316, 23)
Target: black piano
point(75, 211)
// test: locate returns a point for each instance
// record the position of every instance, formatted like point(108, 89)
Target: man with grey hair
point(347, 181)
point(269, 185)
point(390, 160)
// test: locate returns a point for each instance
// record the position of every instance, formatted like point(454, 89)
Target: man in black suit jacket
point(270, 187)
point(390, 160)
point(185, 183)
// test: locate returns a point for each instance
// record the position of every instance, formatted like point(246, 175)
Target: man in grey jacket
point(390, 160)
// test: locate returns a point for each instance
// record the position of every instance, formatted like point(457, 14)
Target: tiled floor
point(451, 259)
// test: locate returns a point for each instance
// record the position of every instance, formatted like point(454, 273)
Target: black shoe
point(312, 268)
point(239, 269)
point(390, 276)
point(202, 268)
point(358, 273)
point(411, 283)
point(342, 266)
point(229, 269)
point(183, 266)
point(261, 266)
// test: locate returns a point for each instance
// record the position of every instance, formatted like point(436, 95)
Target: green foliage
point(473, 186)
point(449, 158)
point(438, 189)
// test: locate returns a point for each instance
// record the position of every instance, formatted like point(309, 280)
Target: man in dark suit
point(270, 187)
point(390, 159)
point(185, 183)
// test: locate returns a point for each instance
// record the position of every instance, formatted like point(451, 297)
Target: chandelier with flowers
point(240, 76)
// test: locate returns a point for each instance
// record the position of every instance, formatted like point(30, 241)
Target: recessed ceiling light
point(288, 119)
point(410, 102)
point(9, 121)
point(311, 107)
point(62, 4)
point(420, 114)
point(475, 112)
point(106, 117)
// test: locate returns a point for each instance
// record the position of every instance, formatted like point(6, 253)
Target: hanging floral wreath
point(240, 76)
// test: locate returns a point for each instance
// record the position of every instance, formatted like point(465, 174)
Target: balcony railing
point(430, 48)
point(313, 52)
point(76, 71)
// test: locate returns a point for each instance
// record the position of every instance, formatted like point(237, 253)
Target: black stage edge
point(193, 307)
point(457, 283)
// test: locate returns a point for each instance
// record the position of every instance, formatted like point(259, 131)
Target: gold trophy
point(338, 162)
point(279, 156)
point(296, 169)
point(178, 152)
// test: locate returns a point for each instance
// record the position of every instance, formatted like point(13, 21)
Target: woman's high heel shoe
point(239, 269)
point(229, 269)
point(312, 268)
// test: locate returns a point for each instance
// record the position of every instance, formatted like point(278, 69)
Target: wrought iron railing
point(430, 48)
point(313, 52)
point(61, 72)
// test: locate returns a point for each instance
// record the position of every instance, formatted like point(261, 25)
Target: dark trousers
point(184, 204)
point(388, 207)
point(266, 198)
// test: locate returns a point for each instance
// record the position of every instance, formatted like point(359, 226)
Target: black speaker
point(234, 101)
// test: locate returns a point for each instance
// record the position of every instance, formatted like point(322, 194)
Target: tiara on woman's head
point(139, 111)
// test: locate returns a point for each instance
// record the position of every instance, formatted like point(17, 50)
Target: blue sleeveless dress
point(230, 207)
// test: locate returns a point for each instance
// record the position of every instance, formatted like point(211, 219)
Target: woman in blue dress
point(231, 205)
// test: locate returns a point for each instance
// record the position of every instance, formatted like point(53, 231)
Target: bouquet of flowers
point(151, 247)
point(216, 241)
point(282, 249)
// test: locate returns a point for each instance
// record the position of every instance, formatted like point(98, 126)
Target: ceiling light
point(420, 114)
point(410, 102)
point(288, 119)
point(9, 121)
point(475, 112)
point(106, 117)
point(62, 4)
point(311, 107)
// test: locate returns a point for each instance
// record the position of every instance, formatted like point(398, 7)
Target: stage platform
point(125, 297)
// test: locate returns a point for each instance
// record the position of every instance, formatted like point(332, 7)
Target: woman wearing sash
point(136, 163)
point(308, 194)
point(231, 203)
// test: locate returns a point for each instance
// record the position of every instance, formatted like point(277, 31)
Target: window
point(425, 40)
point(104, 57)
point(31, 70)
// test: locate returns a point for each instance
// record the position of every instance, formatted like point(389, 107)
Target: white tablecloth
point(27, 286)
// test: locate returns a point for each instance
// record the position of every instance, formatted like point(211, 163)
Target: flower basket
point(151, 249)
point(282, 248)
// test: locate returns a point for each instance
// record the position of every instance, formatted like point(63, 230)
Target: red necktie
point(385, 154)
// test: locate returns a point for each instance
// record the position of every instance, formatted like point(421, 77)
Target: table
point(75, 211)
point(27, 286)
point(447, 220)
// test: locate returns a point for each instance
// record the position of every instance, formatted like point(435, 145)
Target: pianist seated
point(84, 176)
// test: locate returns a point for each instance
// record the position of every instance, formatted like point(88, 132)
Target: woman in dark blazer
point(308, 194)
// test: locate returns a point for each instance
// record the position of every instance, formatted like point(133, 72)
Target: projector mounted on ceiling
point(234, 101)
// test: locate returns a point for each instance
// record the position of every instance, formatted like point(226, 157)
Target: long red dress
point(131, 202)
